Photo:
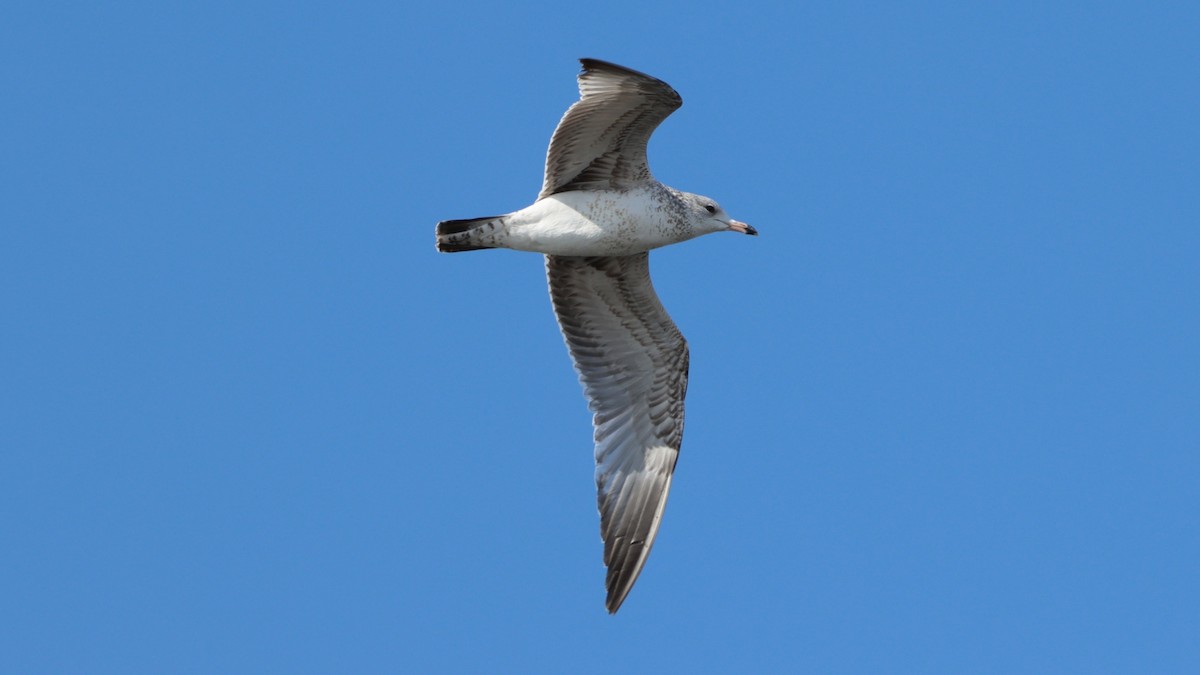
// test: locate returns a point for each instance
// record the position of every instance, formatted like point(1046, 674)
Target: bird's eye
point(711, 208)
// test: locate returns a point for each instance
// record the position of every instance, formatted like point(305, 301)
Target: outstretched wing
point(600, 143)
point(633, 364)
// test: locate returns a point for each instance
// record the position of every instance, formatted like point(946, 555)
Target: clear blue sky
point(944, 413)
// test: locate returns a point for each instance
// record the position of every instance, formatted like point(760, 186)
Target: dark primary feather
point(600, 143)
point(633, 364)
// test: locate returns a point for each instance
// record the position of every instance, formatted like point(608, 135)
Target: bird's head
point(708, 216)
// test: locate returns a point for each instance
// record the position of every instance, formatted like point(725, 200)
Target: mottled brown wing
point(600, 143)
point(633, 364)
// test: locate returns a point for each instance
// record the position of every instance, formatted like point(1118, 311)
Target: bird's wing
point(600, 143)
point(633, 364)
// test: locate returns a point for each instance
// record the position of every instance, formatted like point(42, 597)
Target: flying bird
point(599, 213)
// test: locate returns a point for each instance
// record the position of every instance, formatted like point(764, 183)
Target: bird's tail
point(467, 235)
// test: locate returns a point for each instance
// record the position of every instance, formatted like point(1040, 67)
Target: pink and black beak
point(739, 226)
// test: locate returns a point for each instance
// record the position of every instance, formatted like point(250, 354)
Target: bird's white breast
point(596, 222)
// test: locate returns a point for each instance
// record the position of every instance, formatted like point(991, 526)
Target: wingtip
point(617, 585)
point(590, 64)
point(614, 600)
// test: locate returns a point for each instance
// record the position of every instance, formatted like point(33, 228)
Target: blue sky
point(942, 413)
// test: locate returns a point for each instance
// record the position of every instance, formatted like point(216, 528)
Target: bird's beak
point(739, 226)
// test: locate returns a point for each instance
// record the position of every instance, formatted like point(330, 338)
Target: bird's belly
point(591, 223)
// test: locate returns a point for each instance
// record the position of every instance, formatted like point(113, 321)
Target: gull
point(599, 213)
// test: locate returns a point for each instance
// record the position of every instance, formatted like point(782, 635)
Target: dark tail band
point(454, 236)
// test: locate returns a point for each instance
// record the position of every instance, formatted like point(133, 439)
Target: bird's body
point(599, 212)
point(590, 222)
